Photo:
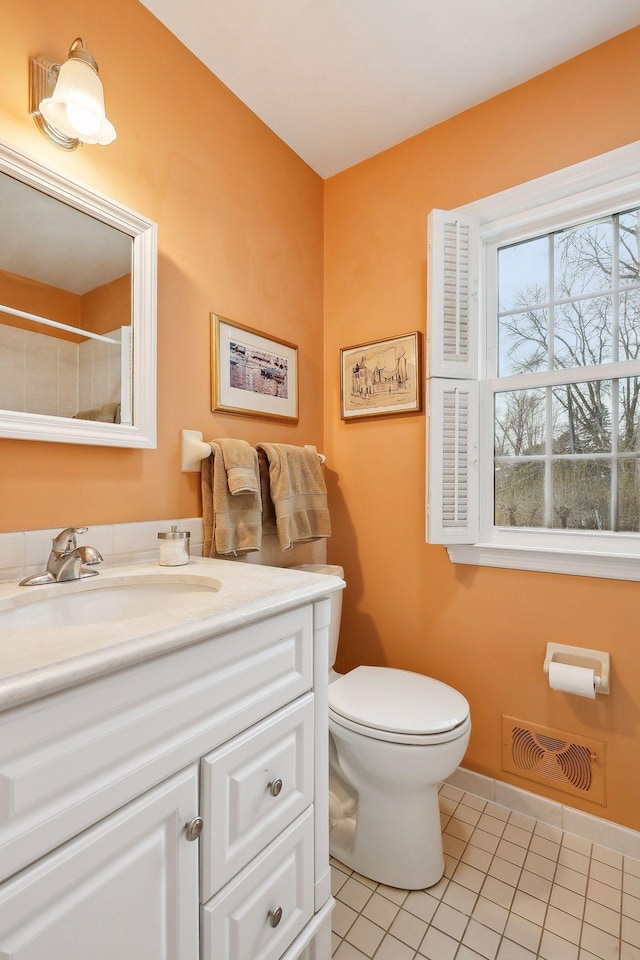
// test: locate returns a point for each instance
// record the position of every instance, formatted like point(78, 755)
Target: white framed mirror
point(78, 300)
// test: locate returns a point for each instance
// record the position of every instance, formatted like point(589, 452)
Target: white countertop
point(35, 662)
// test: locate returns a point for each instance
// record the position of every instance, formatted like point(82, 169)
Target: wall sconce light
point(67, 102)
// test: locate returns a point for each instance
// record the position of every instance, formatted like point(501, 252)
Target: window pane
point(629, 426)
point(581, 494)
point(519, 423)
point(519, 495)
point(629, 326)
point(581, 414)
point(523, 343)
point(629, 495)
point(628, 249)
point(523, 274)
point(583, 258)
point(582, 333)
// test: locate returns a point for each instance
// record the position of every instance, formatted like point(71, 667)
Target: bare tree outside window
point(568, 456)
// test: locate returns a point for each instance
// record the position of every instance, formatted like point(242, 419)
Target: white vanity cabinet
point(102, 782)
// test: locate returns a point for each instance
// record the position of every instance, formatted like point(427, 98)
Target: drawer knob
point(275, 916)
point(194, 828)
point(275, 786)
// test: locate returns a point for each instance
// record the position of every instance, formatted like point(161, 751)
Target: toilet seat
point(398, 706)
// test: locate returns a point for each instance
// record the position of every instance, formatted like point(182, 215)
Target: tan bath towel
point(232, 523)
point(298, 493)
point(241, 464)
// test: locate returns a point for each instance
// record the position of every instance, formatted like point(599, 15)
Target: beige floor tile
point(563, 925)
point(600, 943)
point(408, 928)
point(380, 910)
point(421, 904)
point(342, 918)
point(348, 952)
point(437, 945)
point(490, 914)
point(536, 886)
point(517, 835)
point(524, 932)
point(460, 898)
point(481, 939)
point(449, 921)
point(603, 917)
point(365, 936)
point(524, 905)
point(392, 949)
point(553, 947)
point(354, 894)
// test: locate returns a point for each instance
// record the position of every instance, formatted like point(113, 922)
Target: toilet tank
point(335, 600)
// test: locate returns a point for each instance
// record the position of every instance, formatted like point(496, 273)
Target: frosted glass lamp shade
point(76, 107)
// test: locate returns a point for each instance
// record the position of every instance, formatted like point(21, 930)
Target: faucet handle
point(65, 542)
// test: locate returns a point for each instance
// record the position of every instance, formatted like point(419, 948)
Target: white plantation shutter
point(452, 358)
point(452, 284)
point(452, 471)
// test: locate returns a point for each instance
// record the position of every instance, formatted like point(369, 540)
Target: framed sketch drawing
point(252, 374)
point(382, 377)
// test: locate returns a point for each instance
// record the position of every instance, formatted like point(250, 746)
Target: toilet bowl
point(394, 736)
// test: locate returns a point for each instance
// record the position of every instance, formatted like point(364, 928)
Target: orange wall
point(41, 300)
point(240, 233)
point(107, 307)
point(482, 630)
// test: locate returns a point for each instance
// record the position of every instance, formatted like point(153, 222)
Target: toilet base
point(394, 838)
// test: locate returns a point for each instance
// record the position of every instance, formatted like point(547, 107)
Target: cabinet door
point(124, 890)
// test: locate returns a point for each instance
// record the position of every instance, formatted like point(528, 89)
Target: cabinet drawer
point(237, 922)
point(72, 758)
point(252, 788)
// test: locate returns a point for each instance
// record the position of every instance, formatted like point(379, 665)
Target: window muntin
point(567, 453)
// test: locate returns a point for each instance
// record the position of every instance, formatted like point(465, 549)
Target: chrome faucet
point(66, 560)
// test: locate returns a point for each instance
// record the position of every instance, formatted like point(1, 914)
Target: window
point(534, 436)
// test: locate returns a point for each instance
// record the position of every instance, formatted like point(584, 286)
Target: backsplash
point(24, 553)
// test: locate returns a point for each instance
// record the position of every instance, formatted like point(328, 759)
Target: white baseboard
point(595, 829)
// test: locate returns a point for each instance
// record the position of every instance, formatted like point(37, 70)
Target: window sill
point(547, 560)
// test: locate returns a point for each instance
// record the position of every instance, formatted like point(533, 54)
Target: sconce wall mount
point(67, 101)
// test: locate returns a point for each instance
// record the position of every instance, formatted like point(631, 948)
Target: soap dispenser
point(174, 547)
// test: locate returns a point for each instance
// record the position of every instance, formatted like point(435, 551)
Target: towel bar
point(195, 450)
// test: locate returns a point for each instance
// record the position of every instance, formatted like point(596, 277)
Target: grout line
point(453, 862)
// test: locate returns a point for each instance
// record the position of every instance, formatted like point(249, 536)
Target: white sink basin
point(107, 601)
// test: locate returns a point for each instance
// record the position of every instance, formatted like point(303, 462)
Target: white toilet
point(394, 736)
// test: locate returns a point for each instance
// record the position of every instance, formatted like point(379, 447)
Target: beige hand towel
point(232, 523)
point(298, 493)
point(241, 464)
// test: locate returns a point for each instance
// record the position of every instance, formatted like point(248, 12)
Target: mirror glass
point(77, 312)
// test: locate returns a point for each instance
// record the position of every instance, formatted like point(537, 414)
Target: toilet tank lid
point(399, 701)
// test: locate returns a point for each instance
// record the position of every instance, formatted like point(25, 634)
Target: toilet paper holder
point(595, 660)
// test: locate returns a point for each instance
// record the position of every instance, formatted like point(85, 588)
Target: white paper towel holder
point(595, 660)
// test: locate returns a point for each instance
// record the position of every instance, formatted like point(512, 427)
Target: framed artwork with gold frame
point(252, 374)
point(381, 377)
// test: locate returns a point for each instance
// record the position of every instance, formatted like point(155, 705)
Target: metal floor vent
point(565, 761)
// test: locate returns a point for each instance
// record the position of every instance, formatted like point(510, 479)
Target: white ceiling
point(341, 80)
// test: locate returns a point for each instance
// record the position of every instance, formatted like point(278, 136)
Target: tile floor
point(514, 889)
